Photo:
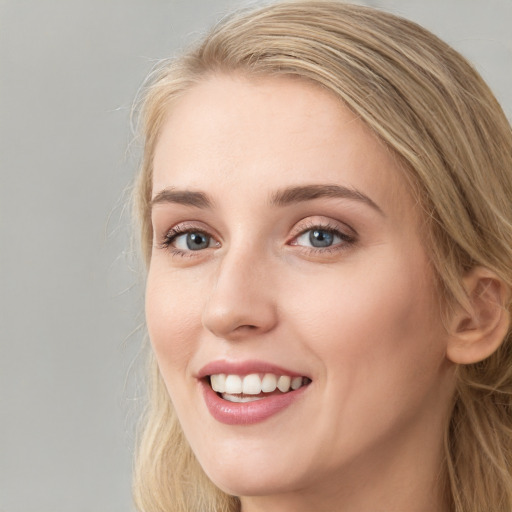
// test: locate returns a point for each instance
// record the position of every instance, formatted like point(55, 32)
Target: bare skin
point(334, 286)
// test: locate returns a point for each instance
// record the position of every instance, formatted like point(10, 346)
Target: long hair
point(454, 145)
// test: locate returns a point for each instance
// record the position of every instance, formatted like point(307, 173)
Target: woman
point(325, 213)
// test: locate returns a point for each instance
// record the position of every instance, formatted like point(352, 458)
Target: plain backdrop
point(70, 294)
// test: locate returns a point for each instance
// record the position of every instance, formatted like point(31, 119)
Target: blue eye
point(192, 241)
point(320, 238)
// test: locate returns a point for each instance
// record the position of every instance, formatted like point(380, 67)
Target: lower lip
point(247, 413)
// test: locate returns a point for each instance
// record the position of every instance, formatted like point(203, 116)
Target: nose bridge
point(241, 298)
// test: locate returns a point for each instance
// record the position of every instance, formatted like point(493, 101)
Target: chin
point(237, 486)
point(251, 480)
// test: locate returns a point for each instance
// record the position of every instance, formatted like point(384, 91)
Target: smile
point(255, 386)
point(248, 392)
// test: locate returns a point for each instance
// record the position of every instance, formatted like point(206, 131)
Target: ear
point(478, 332)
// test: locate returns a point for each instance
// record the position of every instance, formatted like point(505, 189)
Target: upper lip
point(245, 368)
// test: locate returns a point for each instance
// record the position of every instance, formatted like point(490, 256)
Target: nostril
point(237, 306)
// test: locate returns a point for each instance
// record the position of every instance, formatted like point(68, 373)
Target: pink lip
point(244, 368)
point(247, 413)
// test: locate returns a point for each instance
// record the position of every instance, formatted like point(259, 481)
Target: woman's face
point(287, 250)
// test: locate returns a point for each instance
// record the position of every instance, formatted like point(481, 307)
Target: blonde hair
point(436, 114)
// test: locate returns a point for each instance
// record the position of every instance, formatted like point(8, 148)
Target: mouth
point(254, 386)
point(250, 391)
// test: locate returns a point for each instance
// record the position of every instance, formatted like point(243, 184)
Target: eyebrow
point(185, 197)
point(282, 197)
point(309, 192)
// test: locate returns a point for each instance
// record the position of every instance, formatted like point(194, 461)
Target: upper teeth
point(254, 383)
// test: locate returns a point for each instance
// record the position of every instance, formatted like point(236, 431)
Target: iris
point(321, 238)
point(197, 241)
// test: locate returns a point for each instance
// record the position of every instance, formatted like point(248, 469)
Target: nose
point(242, 299)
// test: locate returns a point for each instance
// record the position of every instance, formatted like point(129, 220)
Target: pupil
point(196, 241)
point(320, 238)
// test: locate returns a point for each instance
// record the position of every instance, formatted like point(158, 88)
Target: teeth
point(283, 384)
point(296, 383)
point(253, 384)
point(218, 382)
point(233, 385)
point(269, 383)
point(240, 399)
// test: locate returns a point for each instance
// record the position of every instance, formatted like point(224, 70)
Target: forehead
point(254, 135)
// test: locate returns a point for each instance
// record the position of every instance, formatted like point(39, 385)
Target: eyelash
point(346, 239)
point(174, 233)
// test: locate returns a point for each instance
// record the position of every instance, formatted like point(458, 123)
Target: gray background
point(70, 298)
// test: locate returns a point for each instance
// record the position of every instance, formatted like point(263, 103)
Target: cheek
point(172, 316)
point(379, 347)
point(371, 320)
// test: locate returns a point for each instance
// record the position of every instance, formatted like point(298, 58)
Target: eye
point(192, 241)
point(318, 238)
point(323, 238)
point(182, 240)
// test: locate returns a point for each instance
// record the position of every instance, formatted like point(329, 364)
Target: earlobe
point(477, 332)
